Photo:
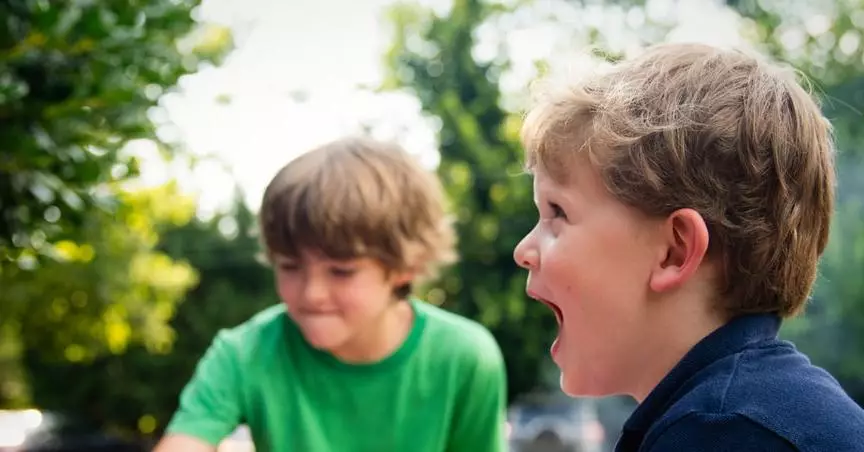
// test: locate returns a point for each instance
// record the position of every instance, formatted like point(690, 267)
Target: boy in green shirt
point(349, 362)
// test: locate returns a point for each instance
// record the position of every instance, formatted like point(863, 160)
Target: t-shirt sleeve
point(210, 405)
point(719, 433)
point(480, 414)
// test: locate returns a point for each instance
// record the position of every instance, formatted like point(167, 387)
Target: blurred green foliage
point(99, 293)
point(481, 169)
point(80, 276)
point(136, 392)
point(77, 80)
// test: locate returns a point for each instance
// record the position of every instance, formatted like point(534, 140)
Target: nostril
point(529, 259)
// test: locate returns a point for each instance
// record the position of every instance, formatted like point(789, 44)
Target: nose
point(314, 290)
point(526, 254)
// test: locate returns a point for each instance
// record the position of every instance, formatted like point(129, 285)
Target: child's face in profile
point(334, 301)
point(589, 259)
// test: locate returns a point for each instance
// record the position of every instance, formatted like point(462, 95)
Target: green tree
point(233, 286)
point(79, 278)
point(481, 169)
point(77, 79)
point(106, 287)
point(136, 392)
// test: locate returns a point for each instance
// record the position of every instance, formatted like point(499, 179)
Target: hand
point(183, 443)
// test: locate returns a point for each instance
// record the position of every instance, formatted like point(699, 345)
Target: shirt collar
point(729, 339)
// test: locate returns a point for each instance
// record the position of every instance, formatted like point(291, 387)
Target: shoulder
point(780, 389)
point(775, 390)
point(459, 338)
point(249, 337)
point(266, 321)
point(701, 431)
point(460, 333)
point(216, 398)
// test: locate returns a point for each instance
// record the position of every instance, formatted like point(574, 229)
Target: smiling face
point(590, 259)
point(336, 303)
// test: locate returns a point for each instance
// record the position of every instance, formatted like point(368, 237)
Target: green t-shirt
point(442, 390)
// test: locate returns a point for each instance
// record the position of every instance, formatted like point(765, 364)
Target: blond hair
point(719, 131)
point(357, 197)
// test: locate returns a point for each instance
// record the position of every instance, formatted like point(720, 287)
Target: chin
point(582, 386)
point(324, 342)
point(571, 389)
point(319, 345)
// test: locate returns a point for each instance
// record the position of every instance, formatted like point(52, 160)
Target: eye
point(288, 266)
point(557, 211)
point(342, 272)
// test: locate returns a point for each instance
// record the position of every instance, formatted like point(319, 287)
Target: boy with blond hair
point(685, 198)
point(349, 361)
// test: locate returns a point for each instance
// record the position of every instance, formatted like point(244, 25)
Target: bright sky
point(327, 49)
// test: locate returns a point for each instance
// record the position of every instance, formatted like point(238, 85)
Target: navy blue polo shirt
point(742, 389)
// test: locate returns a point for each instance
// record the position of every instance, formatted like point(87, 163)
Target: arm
point(174, 442)
point(480, 414)
point(719, 433)
point(210, 404)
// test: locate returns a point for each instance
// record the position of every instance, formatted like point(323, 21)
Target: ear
point(401, 277)
point(685, 236)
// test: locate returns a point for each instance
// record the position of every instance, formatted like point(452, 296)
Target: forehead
point(544, 186)
point(578, 179)
point(314, 258)
point(307, 255)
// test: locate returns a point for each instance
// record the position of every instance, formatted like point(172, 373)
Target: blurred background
point(136, 137)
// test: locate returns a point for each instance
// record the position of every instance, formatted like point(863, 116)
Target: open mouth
point(558, 315)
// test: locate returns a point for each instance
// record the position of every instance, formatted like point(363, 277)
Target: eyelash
point(342, 272)
point(337, 272)
point(288, 267)
point(557, 211)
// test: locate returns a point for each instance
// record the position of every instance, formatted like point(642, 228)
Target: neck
point(672, 337)
point(381, 338)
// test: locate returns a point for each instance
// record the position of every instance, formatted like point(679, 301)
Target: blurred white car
point(15, 426)
point(552, 424)
point(47, 431)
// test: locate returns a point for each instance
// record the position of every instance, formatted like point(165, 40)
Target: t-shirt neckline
point(409, 344)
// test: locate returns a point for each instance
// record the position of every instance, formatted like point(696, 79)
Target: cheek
point(599, 278)
point(285, 285)
point(355, 296)
point(289, 292)
point(370, 298)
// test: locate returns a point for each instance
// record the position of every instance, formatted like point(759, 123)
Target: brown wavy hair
point(358, 197)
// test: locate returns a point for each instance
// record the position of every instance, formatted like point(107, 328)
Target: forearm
point(183, 443)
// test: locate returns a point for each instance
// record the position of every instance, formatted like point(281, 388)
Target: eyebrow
point(277, 257)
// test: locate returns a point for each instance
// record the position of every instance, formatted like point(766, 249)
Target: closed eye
point(288, 266)
point(342, 272)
